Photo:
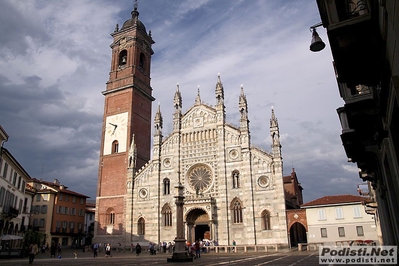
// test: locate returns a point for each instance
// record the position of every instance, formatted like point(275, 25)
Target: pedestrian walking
point(59, 250)
point(138, 249)
point(53, 250)
point(152, 248)
point(33, 250)
point(197, 249)
point(191, 252)
point(108, 250)
point(95, 249)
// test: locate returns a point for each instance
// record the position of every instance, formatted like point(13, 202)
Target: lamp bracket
point(311, 28)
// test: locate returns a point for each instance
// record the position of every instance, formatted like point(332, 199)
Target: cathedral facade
point(232, 190)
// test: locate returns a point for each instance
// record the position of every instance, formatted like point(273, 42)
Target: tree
point(32, 237)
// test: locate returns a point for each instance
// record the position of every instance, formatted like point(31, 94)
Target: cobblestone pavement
point(283, 258)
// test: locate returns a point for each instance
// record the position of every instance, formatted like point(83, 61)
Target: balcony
point(355, 39)
point(358, 93)
point(363, 111)
point(371, 208)
point(10, 212)
point(370, 211)
point(362, 130)
point(338, 13)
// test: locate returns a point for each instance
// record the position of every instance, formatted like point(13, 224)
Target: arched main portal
point(198, 228)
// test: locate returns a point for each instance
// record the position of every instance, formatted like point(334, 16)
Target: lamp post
point(180, 254)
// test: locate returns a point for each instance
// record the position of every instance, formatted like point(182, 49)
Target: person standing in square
point(33, 250)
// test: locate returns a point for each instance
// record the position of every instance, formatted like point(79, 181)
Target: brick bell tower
point(127, 113)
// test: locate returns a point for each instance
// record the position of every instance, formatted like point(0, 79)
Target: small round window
point(263, 181)
point(143, 193)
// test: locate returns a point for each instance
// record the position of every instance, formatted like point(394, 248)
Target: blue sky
point(55, 61)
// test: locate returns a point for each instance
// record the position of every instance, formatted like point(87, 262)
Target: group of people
point(194, 249)
point(98, 248)
point(107, 247)
point(55, 250)
point(33, 250)
point(152, 249)
point(169, 246)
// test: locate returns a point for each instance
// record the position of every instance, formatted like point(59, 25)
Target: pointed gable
point(198, 116)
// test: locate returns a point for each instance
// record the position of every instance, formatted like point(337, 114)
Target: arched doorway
point(202, 231)
point(297, 234)
point(197, 221)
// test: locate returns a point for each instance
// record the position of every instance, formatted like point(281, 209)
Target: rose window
point(200, 178)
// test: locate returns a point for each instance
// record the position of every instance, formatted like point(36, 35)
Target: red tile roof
point(90, 205)
point(58, 187)
point(337, 199)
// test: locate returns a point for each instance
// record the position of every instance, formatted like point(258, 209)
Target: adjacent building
point(340, 218)
point(30, 203)
point(15, 200)
point(296, 218)
point(58, 212)
point(293, 191)
point(89, 222)
point(364, 40)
